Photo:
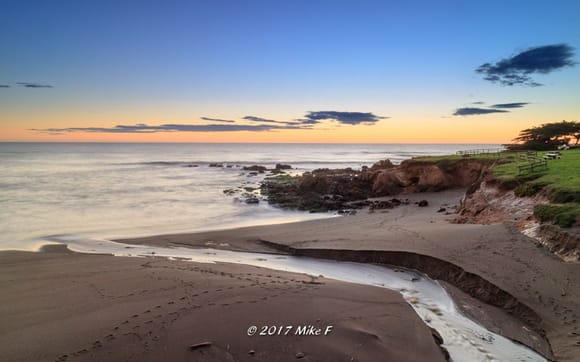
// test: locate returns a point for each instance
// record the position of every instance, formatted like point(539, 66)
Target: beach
point(60, 305)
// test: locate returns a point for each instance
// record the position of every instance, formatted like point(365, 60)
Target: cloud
point(218, 120)
point(517, 70)
point(34, 85)
point(468, 111)
point(143, 128)
point(510, 105)
point(259, 119)
point(262, 124)
point(4, 86)
point(480, 102)
point(352, 118)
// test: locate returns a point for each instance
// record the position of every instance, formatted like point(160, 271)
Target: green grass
point(510, 155)
point(562, 177)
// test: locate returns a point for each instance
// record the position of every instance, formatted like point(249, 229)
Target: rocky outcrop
point(488, 202)
point(422, 176)
point(335, 189)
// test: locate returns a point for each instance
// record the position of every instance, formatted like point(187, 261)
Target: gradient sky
point(159, 63)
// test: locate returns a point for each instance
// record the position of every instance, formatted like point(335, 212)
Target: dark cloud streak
point(34, 85)
point(352, 118)
point(469, 111)
point(510, 105)
point(517, 70)
point(218, 120)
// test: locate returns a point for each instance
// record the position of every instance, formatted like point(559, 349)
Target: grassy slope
point(561, 179)
point(562, 174)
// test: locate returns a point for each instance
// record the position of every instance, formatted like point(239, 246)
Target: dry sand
point(93, 307)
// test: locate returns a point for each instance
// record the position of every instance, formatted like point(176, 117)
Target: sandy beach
point(57, 305)
point(60, 306)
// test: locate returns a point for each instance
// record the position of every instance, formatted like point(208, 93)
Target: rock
point(381, 165)
point(253, 173)
point(260, 169)
point(423, 203)
point(442, 209)
point(281, 166)
point(251, 352)
point(251, 200)
point(191, 166)
point(380, 205)
point(216, 165)
point(389, 182)
point(299, 355)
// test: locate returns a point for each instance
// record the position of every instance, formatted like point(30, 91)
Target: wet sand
point(64, 306)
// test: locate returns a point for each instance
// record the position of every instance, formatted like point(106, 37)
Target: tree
point(548, 136)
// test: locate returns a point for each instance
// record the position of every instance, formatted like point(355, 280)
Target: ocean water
point(110, 191)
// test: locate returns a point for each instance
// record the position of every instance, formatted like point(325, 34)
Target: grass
point(561, 178)
point(484, 156)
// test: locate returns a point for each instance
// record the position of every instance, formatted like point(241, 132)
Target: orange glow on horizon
point(475, 130)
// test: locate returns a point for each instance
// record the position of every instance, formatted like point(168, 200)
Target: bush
point(562, 196)
point(528, 189)
point(563, 215)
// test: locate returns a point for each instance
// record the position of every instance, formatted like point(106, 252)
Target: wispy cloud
point(510, 105)
point(470, 111)
point(261, 124)
point(266, 120)
point(4, 86)
point(518, 69)
point(143, 128)
point(479, 102)
point(352, 118)
point(218, 120)
point(34, 85)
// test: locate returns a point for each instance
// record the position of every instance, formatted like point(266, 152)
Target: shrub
point(563, 215)
point(528, 189)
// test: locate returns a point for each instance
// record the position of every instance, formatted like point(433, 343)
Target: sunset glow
point(75, 67)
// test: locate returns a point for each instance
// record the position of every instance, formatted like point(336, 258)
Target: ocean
point(115, 190)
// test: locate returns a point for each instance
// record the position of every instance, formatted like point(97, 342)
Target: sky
point(286, 71)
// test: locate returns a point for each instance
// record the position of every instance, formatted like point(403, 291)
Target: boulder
point(260, 169)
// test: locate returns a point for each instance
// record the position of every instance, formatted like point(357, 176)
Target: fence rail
point(481, 151)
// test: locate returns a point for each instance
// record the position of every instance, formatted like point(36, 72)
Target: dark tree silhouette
point(548, 136)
